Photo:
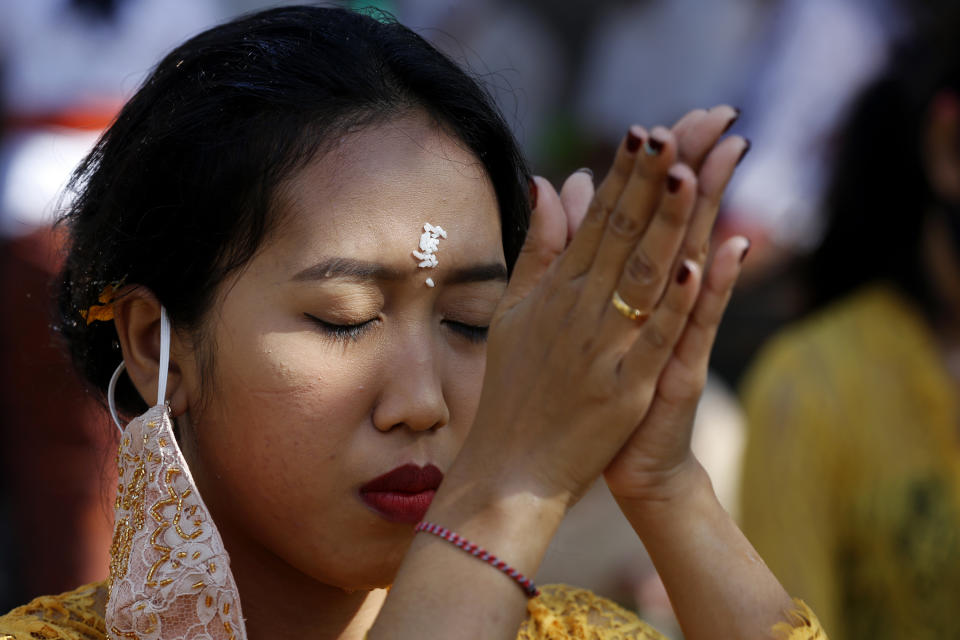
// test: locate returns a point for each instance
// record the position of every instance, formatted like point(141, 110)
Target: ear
point(941, 146)
point(137, 320)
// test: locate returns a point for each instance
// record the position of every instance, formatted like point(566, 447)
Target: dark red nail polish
point(684, 274)
point(744, 152)
point(673, 183)
point(633, 141)
point(654, 146)
point(735, 117)
point(746, 250)
point(533, 194)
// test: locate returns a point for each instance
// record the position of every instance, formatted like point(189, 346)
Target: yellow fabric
point(851, 482)
point(559, 613)
point(75, 615)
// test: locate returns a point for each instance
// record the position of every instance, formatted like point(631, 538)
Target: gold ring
point(628, 312)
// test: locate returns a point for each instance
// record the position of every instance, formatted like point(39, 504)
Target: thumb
point(576, 194)
point(545, 240)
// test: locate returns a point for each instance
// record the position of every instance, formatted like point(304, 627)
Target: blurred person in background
point(66, 66)
point(853, 456)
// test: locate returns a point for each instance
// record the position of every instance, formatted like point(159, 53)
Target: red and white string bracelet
point(479, 552)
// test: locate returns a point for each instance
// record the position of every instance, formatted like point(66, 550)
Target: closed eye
point(342, 332)
point(473, 333)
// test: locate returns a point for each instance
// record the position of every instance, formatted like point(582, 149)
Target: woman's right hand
point(569, 381)
point(569, 377)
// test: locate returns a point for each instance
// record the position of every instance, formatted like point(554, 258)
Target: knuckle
point(624, 225)
point(701, 323)
point(536, 252)
point(697, 252)
point(640, 268)
point(684, 388)
point(597, 212)
point(589, 346)
point(709, 197)
point(691, 383)
point(674, 217)
point(676, 305)
point(655, 336)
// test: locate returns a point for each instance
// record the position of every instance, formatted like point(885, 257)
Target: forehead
point(370, 196)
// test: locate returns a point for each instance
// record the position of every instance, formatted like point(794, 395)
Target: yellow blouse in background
point(559, 613)
point(851, 483)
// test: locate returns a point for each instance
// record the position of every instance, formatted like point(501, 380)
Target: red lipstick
point(404, 494)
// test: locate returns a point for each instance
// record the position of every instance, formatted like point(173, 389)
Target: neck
point(281, 602)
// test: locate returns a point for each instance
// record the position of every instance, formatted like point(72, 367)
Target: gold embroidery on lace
point(156, 511)
point(177, 564)
point(120, 550)
point(130, 498)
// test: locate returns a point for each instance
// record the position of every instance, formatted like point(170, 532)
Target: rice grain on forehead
point(429, 244)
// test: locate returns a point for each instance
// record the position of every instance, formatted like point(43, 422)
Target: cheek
point(295, 382)
point(284, 409)
point(463, 377)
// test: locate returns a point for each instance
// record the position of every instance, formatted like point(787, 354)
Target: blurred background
point(852, 108)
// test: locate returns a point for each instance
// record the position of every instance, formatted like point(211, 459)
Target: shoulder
point(74, 615)
point(562, 612)
point(874, 325)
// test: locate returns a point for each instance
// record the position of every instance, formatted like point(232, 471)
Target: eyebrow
point(352, 269)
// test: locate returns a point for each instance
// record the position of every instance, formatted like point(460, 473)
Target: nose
point(412, 395)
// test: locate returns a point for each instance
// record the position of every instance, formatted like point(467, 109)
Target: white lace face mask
point(169, 571)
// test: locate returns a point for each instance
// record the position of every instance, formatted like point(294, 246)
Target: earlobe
point(137, 321)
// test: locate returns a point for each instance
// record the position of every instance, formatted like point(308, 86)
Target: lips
point(404, 494)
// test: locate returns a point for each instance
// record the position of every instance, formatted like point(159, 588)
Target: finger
point(714, 177)
point(644, 361)
point(545, 240)
point(692, 354)
point(583, 246)
point(576, 194)
point(629, 220)
point(699, 130)
point(648, 269)
point(688, 120)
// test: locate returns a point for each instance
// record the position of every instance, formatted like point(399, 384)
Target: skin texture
point(297, 420)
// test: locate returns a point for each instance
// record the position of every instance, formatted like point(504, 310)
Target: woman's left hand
point(656, 462)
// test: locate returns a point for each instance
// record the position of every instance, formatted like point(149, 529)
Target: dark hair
point(879, 196)
point(178, 192)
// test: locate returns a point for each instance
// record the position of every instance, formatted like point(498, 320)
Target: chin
point(366, 581)
point(367, 569)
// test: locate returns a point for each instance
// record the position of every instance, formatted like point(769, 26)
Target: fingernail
point(673, 183)
point(746, 250)
point(736, 116)
point(744, 152)
point(653, 146)
point(683, 274)
point(633, 140)
point(533, 194)
point(586, 170)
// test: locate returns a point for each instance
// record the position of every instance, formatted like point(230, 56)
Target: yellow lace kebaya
point(559, 613)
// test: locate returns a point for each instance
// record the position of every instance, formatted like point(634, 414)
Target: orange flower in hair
point(104, 310)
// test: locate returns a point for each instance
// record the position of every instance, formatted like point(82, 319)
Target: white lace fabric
point(169, 571)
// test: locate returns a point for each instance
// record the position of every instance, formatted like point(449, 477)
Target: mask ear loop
point(164, 356)
point(111, 388)
point(164, 370)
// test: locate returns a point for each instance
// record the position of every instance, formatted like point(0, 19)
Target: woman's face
point(336, 363)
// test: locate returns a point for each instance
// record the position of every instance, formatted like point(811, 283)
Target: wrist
point(510, 520)
point(674, 505)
